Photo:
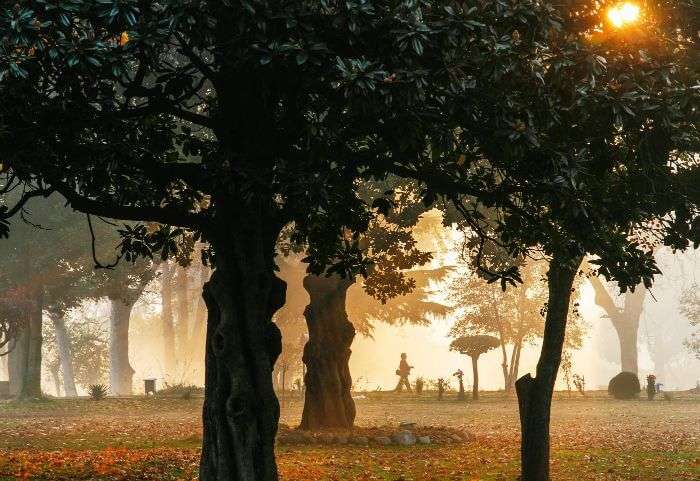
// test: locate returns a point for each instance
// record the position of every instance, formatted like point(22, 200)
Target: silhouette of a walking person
point(403, 371)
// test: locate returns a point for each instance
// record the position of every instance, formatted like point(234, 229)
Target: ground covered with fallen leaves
point(593, 438)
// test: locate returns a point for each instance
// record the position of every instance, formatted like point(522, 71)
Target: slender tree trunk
point(56, 379)
point(328, 402)
point(515, 361)
point(475, 375)
point(241, 410)
point(120, 371)
point(65, 356)
point(183, 311)
point(535, 394)
point(31, 379)
point(166, 298)
point(504, 365)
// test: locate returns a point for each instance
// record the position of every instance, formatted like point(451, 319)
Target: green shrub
point(97, 392)
point(180, 390)
point(624, 386)
point(420, 383)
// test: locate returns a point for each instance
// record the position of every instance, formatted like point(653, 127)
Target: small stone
point(382, 440)
point(359, 440)
point(424, 439)
point(467, 436)
point(404, 438)
point(341, 439)
point(407, 425)
point(456, 438)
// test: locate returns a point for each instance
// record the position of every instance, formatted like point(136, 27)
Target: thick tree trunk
point(535, 394)
point(17, 362)
point(65, 356)
point(475, 376)
point(166, 298)
point(56, 380)
point(120, 371)
point(625, 321)
point(328, 402)
point(31, 376)
point(627, 333)
point(241, 411)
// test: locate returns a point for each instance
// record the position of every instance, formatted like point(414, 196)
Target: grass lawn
point(593, 438)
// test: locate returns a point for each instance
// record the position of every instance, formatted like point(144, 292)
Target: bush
point(180, 390)
point(97, 392)
point(624, 386)
point(420, 383)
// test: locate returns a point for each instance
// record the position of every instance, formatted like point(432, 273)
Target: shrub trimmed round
point(624, 386)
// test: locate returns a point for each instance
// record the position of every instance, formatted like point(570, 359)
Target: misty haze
point(404, 240)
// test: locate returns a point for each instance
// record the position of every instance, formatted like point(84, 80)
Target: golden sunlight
point(624, 14)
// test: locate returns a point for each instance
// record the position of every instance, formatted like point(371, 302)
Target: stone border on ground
point(375, 436)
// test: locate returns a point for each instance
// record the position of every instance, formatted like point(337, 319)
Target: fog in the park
point(398, 240)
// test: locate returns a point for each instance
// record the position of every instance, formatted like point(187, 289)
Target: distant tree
point(123, 285)
point(624, 319)
point(43, 273)
point(89, 349)
point(514, 316)
point(690, 308)
point(474, 346)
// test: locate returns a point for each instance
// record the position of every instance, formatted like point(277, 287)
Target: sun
point(624, 14)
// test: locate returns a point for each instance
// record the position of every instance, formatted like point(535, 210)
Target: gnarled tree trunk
point(65, 356)
point(241, 411)
point(120, 371)
point(328, 402)
point(535, 394)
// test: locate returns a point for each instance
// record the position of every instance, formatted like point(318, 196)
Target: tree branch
point(163, 215)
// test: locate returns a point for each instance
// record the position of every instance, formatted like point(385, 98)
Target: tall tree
point(585, 146)
point(248, 117)
point(391, 246)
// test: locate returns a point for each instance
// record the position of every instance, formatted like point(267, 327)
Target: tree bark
point(241, 411)
point(31, 378)
point(328, 402)
point(120, 371)
point(475, 374)
point(535, 394)
point(166, 298)
point(65, 356)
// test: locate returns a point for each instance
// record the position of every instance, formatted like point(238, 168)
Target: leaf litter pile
point(595, 438)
